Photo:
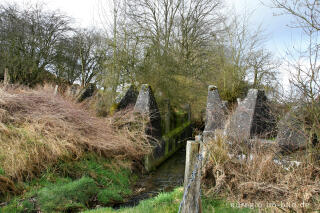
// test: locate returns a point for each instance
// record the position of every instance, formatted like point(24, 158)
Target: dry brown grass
point(37, 129)
point(259, 179)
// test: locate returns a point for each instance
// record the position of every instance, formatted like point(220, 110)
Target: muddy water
point(167, 177)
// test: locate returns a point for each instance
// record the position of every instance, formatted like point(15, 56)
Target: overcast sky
point(87, 13)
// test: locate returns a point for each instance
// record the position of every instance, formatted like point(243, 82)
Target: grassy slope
point(37, 129)
point(55, 154)
point(169, 202)
point(74, 185)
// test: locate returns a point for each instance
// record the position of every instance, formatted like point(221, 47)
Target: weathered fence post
point(6, 79)
point(239, 101)
point(56, 90)
point(192, 178)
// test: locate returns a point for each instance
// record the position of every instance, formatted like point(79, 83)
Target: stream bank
point(166, 178)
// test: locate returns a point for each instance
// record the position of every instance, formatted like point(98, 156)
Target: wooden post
point(192, 151)
point(192, 202)
point(199, 139)
point(238, 100)
point(6, 79)
point(56, 90)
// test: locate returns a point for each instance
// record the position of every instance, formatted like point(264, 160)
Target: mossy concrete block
point(252, 118)
point(147, 106)
point(165, 146)
point(291, 132)
point(87, 92)
point(129, 99)
point(172, 142)
point(215, 112)
point(73, 90)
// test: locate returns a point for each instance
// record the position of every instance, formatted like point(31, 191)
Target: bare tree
point(263, 68)
point(303, 58)
point(303, 62)
point(92, 54)
point(306, 12)
point(28, 38)
point(180, 47)
point(66, 64)
point(80, 57)
point(245, 60)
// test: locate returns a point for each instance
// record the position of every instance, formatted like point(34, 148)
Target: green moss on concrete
point(113, 108)
point(180, 118)
point(177, 131)
point(151, 163)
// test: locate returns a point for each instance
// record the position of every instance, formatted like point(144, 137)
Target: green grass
point(72, 185)
point(73, 195)
point(169, 202)
point(58, 197)
point(115, 181)
point(2, 171)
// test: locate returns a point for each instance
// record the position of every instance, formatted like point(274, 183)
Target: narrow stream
point(167, 177)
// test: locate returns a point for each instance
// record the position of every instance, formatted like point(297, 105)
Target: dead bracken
point(37, 129)
point(254, 176)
